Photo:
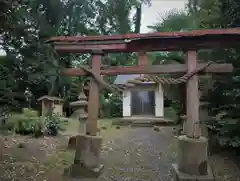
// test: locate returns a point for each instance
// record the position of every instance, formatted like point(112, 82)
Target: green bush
point(52, 125)
point(22, 124)
point(29, 123)
point(38, 128)
point(111, 106)
point(225, 129)
point(26, 123)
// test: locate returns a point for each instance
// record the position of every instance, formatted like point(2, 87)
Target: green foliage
point(175, 21)
point(28, 123)
point(52, 125)
point(224, 98)
point(29, 112)
point(170, 113)
point(25, 123)
point(226, 129)
point(112, 106)
point(30, 62)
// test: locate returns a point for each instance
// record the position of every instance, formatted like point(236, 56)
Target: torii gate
point(192, 150)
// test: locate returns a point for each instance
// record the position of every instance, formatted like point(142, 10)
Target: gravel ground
point(141, 154)
point(136, 154)
point(146, 155)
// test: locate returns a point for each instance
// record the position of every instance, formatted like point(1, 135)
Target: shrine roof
point(123, 79)
point(195, 33)
point(51, 98)
point(158, 41)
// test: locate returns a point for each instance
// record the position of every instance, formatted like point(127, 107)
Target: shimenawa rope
point(142, 79)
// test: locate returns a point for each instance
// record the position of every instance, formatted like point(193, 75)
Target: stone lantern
point(80, 107)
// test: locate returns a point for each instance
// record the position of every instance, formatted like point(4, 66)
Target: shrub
point(52, 125)
point(225, 129)
point(38, 128)
point(29, 123)
point(22, 124)
point(26, 123)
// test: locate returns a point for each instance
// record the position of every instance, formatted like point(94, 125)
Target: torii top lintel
point(159, 41)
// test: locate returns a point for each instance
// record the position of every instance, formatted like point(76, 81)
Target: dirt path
point(141, 154)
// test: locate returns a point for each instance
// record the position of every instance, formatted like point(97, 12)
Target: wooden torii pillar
point(192, 161)
point(93, 98)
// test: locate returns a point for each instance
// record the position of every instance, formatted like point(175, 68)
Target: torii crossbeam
point(192, 146)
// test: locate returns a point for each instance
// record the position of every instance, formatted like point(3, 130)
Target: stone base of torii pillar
point(192, 163)
point(87, 157)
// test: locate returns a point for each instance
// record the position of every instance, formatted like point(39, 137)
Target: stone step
point(142, 124)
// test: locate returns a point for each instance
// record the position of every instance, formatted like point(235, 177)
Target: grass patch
point(59, 160)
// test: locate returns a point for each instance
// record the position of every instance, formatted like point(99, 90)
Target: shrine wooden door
point(142, 103)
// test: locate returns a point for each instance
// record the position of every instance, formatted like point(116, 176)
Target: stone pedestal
point(192, 160)
point(82, 126)
point(87, 157)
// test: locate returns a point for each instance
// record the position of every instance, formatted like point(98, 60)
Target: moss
point(59, 160)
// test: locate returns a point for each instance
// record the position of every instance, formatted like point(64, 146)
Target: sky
point(152, 14)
